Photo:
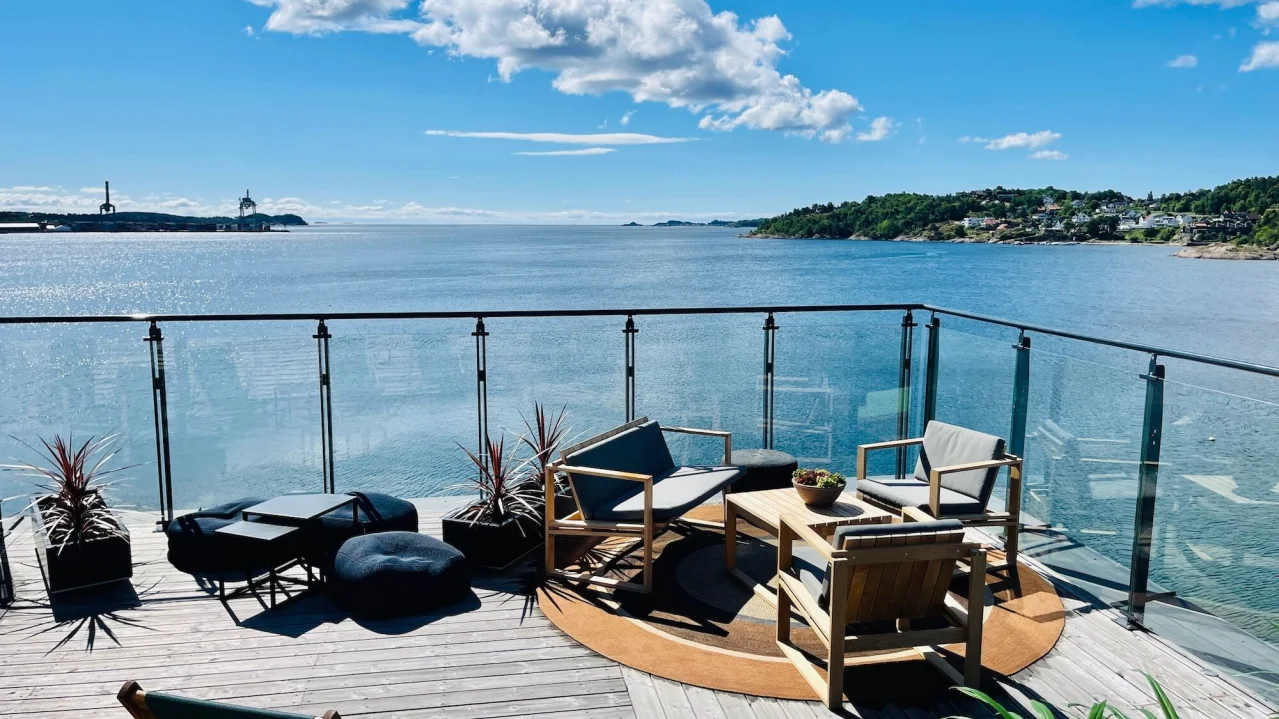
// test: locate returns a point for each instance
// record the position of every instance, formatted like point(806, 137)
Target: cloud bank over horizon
point(676, 52)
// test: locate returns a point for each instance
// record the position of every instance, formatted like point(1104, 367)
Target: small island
point(712, 223)
point(1238, 220)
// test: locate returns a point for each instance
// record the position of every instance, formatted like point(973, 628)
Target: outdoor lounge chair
point(860, 592)
point(154, 705)
point(625, 484)
point(954, 478)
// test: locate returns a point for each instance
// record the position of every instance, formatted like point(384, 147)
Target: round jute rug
point(701, 626)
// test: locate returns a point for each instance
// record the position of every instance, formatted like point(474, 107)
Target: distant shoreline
point(1212, 251)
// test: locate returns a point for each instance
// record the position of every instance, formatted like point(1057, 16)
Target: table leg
point(730, 535)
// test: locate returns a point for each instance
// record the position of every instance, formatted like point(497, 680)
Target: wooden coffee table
point(764, 509)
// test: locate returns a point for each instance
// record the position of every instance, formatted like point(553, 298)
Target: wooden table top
point(767, 506)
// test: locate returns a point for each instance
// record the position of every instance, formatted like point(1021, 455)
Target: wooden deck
point(497, 658)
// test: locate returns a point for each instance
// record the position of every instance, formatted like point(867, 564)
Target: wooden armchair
point(625, 484)
point(889, 574)
point(954, 479)
point(154, 705)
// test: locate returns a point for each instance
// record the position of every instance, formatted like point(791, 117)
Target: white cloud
point(1170, 3)
point(248, 30)
point(676, 52)
point(1264, 55)
point(1022, 140)
point(1048, 155)
point(1268, 15)
point(1183, 61)
point(626, 118)
point(561, 138)
point(881, 128)
point(583, 151)
point(317, 17)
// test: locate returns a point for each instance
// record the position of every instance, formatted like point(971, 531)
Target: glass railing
point(243, 410)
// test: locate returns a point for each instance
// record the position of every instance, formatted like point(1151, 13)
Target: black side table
point(274, 546)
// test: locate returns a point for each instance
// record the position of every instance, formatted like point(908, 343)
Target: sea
point(243, 397)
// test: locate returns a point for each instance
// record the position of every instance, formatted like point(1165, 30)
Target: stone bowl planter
point(818, 496)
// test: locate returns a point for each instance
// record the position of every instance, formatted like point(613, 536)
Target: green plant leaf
point(1165, 704)
point(1042, 710)
point(1098, 711)
point(986, 699)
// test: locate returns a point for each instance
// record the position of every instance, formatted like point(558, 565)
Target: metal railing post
point(6, 577)
point(628, 335)
point(930, 371)
point(903, 388)
point(1021, 399)
point(770, 355)
point(327, 462)
point(1147, 491)
point(160, 412)
point(481, 387)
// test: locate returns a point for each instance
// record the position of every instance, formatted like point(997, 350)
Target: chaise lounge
point(143, 704)
point(625, 484)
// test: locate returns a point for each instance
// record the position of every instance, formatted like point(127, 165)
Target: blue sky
point(323, 107)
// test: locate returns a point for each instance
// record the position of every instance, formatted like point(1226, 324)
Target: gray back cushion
point(641, 450)
point(946, 445)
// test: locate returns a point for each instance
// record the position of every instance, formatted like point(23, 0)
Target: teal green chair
point(154, 705)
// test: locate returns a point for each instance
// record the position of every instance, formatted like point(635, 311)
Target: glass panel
point(1083, 432)
point(571, 363)
point(78, 381)
point(403, 399)
point(837, 387)
point(701, 371)
point(244, 410)
point(975, 380)
point(1217, 524)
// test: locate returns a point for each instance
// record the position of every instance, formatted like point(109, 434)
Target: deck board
point(499, 658)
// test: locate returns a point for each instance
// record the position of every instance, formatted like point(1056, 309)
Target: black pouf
point(196, 548)
point(397, 573)
point(377, 513)
point(765, 469)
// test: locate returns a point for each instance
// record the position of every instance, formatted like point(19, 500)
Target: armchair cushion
point(914, 493)
point(675, 491)
point(946, 445)
point(640, 450)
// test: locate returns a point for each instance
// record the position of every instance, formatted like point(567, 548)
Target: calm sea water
point(244, 411)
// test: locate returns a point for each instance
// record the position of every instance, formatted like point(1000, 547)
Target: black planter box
point(82, 564)
point(495, 546)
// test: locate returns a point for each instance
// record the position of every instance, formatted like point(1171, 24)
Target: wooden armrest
point(606, 473)
point(696, 430)
point(935, 474)
point(723, 434)
point(913, 514)
point(864, 449)
point(793, 525)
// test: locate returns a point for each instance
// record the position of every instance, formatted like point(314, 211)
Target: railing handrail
point(1241, 365)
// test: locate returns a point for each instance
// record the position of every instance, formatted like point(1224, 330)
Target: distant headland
point(712, 223)
point(141, 222)
point(1243, 215)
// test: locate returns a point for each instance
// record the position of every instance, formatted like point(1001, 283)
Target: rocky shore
point(1227, 251)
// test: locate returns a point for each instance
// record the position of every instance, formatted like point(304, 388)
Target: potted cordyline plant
point(505, 523)
point(79, 540)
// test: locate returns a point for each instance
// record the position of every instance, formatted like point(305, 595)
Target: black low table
point(298, 509)
point(274, 546)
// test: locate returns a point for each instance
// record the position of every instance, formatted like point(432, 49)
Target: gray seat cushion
point(674, 492)
point(946, 445)
point(911, 492)
point(765, 469)
point(639, 450)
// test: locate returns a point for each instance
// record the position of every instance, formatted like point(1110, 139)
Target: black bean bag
point(197, 549)
point(377, 513)
point(397, 573)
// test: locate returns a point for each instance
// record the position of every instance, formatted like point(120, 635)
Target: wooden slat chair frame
point(897, 577)
point(1009, 518)
point(643, 533)
point(134, 699)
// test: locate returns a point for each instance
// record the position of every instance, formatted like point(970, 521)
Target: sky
point(610, 111)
